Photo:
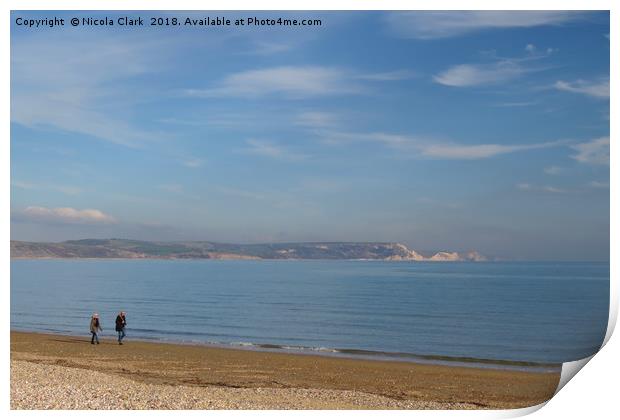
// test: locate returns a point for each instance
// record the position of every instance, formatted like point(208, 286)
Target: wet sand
point(55, 371)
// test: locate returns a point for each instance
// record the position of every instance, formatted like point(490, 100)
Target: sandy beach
point(62, 372)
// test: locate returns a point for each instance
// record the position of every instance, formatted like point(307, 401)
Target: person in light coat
point(95, 327)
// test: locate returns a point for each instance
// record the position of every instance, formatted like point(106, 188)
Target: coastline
point(245, 376)
point(346, 353)
point(240, 258)
point(138, 249)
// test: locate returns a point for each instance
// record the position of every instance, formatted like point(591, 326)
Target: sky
point(457, 131)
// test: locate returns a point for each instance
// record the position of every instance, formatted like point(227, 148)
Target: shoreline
point(348, 353)
point(294, 380)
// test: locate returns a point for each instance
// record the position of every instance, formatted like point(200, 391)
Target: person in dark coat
point(95, 327)
point(121, 322)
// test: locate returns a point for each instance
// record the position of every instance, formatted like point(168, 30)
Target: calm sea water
point(533, 312)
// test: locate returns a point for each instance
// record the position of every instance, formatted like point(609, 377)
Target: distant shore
point(233, 258)
point(54, 371)
point(136, 249)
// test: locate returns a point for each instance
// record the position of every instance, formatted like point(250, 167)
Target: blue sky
point(484, 131)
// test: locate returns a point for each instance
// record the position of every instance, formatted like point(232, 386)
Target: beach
point(65, 372)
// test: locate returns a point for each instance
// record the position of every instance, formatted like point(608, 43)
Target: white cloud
point(192, 163)
point(597, 184)
point(445, 24)
point(594, 152)
point(65, 189)
point(388, 76)
point(515, 104)
point(464, 75)
point(237, 192)
point(316, 119)
point(323, 185)
point(271, 150)
point(66, 215)
point(23, 185)
point(289, 81)
point(596, 89)
point(554, 190)
point(553, 170)
point(269, 48)
point(544, 188)
point(173, 188)
point(498, 71)
point(435, 149)
point(479, 151)
point(387, 139)
point(296, 82)
point(179, 190)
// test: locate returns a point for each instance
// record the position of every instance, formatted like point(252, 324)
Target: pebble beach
point(60, 372)
point(43, 387)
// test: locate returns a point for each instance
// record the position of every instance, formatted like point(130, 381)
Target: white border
point(592, 394)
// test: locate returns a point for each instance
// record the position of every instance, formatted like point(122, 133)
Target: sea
point(514, 315)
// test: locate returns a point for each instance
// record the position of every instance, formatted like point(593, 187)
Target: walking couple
point(95, 327)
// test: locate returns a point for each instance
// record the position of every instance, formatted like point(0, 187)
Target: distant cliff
point(132, 249)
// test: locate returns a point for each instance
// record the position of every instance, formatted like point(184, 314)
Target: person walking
point(121, 322)
point(95, 327)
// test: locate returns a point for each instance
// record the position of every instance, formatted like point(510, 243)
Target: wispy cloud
point(238, 192)
point(598, 184)
point(227, 119)
point(480, 151)
point(388, 76)
point(272, 150)
point(270, 47)
point(515, 104)
point(533, 50)
point(67, 85)
point(323, 185)
point(192, 162)
point(553, 170)
point(65, 189)
point(501, 69)
point(446, 24)
point(539, 188)
point(596, 89)
point(435, 203)
point(63, 215)
point(594, 152)
point(296, 82)
point(179, 191)
point(464, 75)
point(436, 149)
point(173, 188)
point(316, 119)
point(288, 81)
point(23, 185)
